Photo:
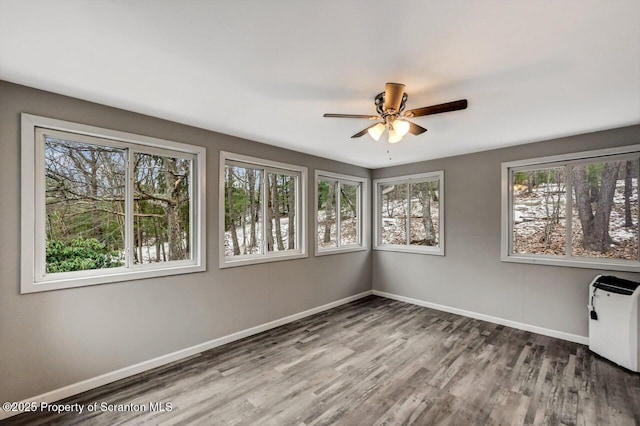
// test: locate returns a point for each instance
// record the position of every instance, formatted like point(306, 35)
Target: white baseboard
point(583, 340)
point(94, 382)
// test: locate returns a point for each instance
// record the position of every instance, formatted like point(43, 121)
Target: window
point(341, 232)
point(262, 210)
point(102, 206)
point(574, 210)
point(409, 213)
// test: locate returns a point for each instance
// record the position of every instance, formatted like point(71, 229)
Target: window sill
point(574, 262)
point(88, 278)
point(339, 250)
point(433, 251)
point(226, 262)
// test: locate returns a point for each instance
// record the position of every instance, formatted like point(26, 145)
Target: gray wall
point(53, 339)
point(471, 275)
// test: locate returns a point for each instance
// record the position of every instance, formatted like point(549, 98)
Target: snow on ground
point(149, 252)
point(530, 218)
point(348, 233)
point(394, 228)
point(244, 238)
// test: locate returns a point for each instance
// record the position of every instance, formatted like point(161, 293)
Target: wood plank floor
point(376, 362)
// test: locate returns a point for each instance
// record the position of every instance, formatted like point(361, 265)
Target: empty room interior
point(313, 213)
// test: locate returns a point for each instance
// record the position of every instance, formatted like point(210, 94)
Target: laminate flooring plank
point(375, 362)
point(376, 404)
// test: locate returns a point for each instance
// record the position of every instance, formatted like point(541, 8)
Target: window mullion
point(337, 188)
point(300, 201)
point(408, 213)
point(638, 196)
point(568, 211)
point(193, 207)
point(265, 206)
point(128, 208)
point(511, 212)
point(377, 214)
point(40, 225)
point(359, 213)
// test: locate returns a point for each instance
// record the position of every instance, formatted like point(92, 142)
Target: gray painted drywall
point(52, 339)
point(471, 276)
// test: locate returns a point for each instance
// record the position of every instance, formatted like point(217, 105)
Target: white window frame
point(301, 211)
point(363, 203)
point(377, 202)
point(565, 160)
point(33, 277)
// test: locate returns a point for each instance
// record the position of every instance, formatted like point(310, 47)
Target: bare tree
point(269, 218)
point(425, 194)
point(553, 193)
point(230, 213)
point(628, 189)
point(253, 242)
point(595, 224)
point(275, 206)
point(329, 207)
point(173, 207)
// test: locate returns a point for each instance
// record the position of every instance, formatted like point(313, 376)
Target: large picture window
point(575, 210)
point(409, 213)
point(104, 206)
point(262, 210)
point(339, 213)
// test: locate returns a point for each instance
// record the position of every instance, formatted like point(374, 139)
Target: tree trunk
point(583, 202)
point(269, 218)
point(243, 222)
point(430, 236)
point(157, 239)
point(595, 226)
point(174, 222)
point(603, 207)
point(253, 241)
point(275, 204)
point(93, 184)
point(328, 218)
point(164, 253)
point(230, 218)
point(628, 190)
point(552, 197)
point(139, 240)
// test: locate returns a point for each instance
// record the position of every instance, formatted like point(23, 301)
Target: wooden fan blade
point(437, 109)
point(362, 132)
point(368, 117)
point(393, 96)
point(414, 129)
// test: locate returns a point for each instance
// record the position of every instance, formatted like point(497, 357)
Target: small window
point(409, 213)
point(573, 210)
point(262, 210)
point(339, 213)
point(108, 206)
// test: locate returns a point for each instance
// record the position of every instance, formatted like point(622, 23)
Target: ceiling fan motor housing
point(397, 99)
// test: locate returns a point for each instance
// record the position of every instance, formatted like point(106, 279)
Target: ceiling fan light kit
point(390, 106)
point(401, 127)
point(376, 131)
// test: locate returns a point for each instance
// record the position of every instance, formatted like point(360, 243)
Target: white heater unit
point(613, 320)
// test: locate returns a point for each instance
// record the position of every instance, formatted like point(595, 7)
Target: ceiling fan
point(390, 107)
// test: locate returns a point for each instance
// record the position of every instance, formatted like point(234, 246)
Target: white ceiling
point(267, 70)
